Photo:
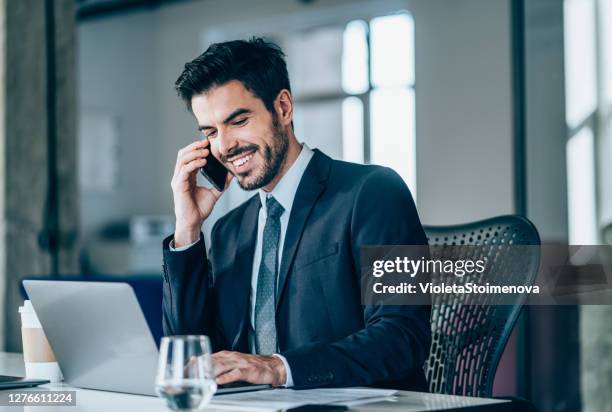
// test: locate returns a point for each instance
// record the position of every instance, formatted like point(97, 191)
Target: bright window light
point(580, 73)
point(605, 13)
point(352, 130)
point(392, 42)
point(391, 94)
point(581, 188)
point(355, 58)
point(393, 132)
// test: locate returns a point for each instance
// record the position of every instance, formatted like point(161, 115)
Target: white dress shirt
point(284, 193)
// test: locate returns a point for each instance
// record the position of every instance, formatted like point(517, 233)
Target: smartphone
point(214, 172)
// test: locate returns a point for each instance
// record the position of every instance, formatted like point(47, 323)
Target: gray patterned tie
point(265, 326)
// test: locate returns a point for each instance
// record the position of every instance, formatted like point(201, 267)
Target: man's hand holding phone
point(192, 203)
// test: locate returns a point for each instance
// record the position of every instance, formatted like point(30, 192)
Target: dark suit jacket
point(326, 335)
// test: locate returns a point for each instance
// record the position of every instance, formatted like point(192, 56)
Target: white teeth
point(242, 160)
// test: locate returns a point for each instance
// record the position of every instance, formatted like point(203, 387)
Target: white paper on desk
point(277, 399)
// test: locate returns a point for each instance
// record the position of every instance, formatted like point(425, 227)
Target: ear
point(283, 104)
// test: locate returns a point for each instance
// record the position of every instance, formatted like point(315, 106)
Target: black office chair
point(469, 339)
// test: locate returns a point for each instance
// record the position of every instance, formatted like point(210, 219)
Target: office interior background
point(484, 107)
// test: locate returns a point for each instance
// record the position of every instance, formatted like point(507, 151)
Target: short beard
point(274, 158)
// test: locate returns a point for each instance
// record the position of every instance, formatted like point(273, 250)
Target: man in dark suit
point(278, 292)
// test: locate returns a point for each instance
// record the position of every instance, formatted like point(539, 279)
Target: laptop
point(15, 382)
point(100, 337)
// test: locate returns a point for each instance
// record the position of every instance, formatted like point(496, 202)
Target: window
point(605, 152)
point(353, 87)
point(581, 188)
point(605, 12)
point(378, 73)
point(588, 79)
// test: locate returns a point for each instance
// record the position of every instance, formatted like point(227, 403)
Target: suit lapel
point(310, 188)
point(242, 273)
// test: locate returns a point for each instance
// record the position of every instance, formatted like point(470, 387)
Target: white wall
point(463, 109)
point(464, 131)
point(117, 73)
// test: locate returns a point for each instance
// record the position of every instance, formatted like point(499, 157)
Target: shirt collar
point(284, 191)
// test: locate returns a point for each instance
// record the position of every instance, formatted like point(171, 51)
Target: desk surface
point(91, 400)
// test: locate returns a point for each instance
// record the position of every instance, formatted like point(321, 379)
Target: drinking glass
point(185, 376)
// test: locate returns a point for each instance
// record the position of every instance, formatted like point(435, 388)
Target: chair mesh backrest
point(468, 339)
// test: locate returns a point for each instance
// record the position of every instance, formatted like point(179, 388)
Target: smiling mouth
point(241, 163)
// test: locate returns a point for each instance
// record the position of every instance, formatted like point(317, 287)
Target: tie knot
point(274, 209)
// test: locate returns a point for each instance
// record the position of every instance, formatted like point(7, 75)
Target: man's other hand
point(260, 369)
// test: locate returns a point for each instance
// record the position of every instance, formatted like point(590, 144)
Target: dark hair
point(258, 64)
